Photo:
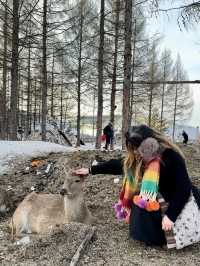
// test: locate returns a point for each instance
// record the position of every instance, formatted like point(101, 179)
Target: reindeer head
point(72, 186)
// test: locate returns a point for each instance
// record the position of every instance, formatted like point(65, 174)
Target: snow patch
point(10, 150)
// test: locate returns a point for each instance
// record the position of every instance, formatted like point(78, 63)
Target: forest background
point(83, 59)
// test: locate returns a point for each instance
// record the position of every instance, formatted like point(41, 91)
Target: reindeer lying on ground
point(40, 213)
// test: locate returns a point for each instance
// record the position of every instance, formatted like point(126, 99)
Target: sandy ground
point(110, 245)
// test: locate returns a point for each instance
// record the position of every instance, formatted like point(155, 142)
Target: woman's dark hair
point(134, 138)
point(136, 134)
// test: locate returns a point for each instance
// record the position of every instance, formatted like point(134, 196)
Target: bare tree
point(100, 78)
point(4, 89)
point(127, 67)
point(52, 84)
point(175, 111)
point(116, 12)
point(166, 73)
point(180, 96)
point(79, 73)
point(132, 72)
point(44, 71)
point(153, 67)
point(87, 69)
point(188, 13)
point(61, 94)
point(28, 115)
point(14, 72)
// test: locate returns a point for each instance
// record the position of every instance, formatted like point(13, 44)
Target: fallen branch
point(82, 246)
point(65, 137)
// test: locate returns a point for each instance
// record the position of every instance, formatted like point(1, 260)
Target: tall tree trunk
point(162, 102)
point(150, 106)
point(39, 101)
point(14, 72)
point(114, 75)
point(151, 88)
point(27, 129)
point(93, 114)
point(35, 105)
point(44, 71)
point(8, 104)
point(100, 78)
point(132, 76)
point(21, 100)
point(52, 86)
point(127, 68)
point(30, 110)
point(61, 95)
point(79, 79)
point(175, 109)
point(20, 94)
point(4, 89)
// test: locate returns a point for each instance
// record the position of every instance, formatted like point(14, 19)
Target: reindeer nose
point(63, 191)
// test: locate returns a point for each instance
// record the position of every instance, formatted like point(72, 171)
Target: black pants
point(185, 141)
point(108, 141)
point(146, 226)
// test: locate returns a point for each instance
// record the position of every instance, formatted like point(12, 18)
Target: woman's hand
point(167, 224)
point(81, 172)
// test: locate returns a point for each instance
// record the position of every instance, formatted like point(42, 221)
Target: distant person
point(109, 133)
point(20, 132)
point(185, 137)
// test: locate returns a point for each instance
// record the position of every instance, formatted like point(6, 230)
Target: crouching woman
point(157, 196)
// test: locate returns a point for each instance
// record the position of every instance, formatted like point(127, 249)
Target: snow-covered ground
point(10, 150)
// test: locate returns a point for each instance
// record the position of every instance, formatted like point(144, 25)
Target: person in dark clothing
point(185, 137)
point(152, 166)
point(108, 132)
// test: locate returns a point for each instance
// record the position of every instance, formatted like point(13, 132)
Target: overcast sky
point(187, 44)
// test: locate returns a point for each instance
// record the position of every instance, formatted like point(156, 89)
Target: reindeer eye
point(77, 180)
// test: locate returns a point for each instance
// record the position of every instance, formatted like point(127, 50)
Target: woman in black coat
point(144, 146)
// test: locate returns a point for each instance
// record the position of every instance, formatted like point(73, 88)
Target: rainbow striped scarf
point(148, 188)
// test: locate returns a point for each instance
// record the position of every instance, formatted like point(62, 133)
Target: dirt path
point(111, 245)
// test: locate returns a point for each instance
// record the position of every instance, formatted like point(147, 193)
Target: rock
point(23, 241)
point(100, 262)
point(116, 180)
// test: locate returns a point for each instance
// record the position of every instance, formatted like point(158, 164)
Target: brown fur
point(40, 213)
